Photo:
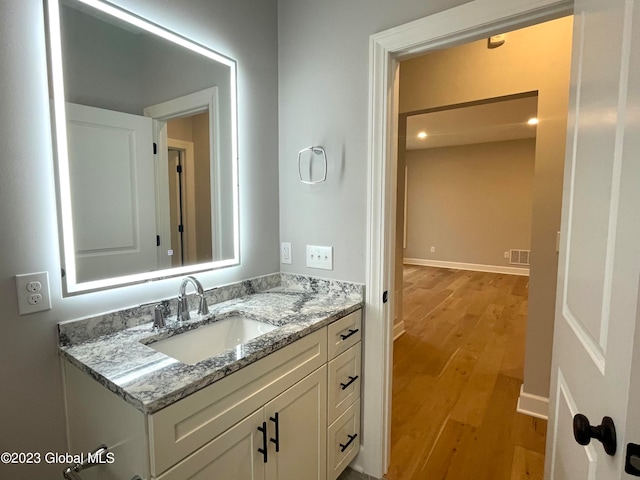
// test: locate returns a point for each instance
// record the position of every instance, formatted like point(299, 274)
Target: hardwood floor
point(456, 380)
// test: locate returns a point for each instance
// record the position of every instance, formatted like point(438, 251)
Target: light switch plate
point(320, 257)
point(33, 292)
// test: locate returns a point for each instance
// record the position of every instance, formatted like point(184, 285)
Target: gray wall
point(108, 66)
point(102, 63)
point(470, 202)
point(324, 82)
point(31, 408)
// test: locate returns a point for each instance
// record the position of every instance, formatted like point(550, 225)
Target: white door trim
point(472, 21)
point(193, 103)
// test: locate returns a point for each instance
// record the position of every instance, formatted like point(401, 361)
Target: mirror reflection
point(189, 190)
point(146, 148)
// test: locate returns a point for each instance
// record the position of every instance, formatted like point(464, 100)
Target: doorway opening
point(384, 175)
point(473, 171)
point(188, 205)
point(178, 206)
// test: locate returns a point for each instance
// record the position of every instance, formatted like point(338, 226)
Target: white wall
point(323, 70)
point(31, 405)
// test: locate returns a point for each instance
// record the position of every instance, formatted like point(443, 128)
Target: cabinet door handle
point(343, 386)
point(276, 420)
point(263, 450)
point(351, 332)
point(343, 447)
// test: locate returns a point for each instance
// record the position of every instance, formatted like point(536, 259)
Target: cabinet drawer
point(343, 441)
point(188, 424)
point(344, 333)
point(344, 381)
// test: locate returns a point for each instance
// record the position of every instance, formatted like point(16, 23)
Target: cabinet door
point(231, 456)
point(301, 432)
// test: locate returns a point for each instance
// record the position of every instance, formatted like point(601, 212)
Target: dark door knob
point(583, 432)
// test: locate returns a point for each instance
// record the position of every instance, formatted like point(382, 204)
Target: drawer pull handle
point(351, 332)
point(263, 450)
point(343, 447)
point(343, 386)
point(276, 420)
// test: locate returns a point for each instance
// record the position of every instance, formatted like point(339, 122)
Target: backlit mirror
point(145, 146)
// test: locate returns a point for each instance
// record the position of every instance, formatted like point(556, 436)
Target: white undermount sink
point(209, 340)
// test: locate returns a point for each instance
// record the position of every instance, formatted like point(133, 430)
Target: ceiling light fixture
point(422, 135)
point(533, 121)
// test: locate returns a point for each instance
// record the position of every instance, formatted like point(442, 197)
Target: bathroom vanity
point(283, 405)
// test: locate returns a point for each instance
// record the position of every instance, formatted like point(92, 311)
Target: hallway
point(456, 380)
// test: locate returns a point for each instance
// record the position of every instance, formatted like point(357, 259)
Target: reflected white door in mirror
point(144, 128)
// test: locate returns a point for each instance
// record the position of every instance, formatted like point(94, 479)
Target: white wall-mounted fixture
point(519, 257)
point(320, 257)
point(532, 121)
point(285, 253)
point(497, 40)
point(311, 153)
point(33, 292)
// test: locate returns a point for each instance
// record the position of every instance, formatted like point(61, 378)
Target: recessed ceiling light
point(422, 135)
point(533, 121)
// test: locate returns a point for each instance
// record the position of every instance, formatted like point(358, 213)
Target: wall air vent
point(519, 257)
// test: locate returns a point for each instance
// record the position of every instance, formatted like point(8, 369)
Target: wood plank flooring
point(456, 380)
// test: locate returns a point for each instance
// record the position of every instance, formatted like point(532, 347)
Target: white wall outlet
point(507, 255)
point(320, 257)
point(33, 292)
point(285, 252)
point(433, 249)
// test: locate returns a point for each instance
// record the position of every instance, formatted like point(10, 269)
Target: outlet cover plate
point(33, 292)
point(285, 253)
point(320, 257)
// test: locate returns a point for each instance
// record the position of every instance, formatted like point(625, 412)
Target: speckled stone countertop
point(149, 380)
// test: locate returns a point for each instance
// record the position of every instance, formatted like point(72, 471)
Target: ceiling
point(490, 122)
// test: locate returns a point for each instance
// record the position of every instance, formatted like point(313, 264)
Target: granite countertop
point(150, 380)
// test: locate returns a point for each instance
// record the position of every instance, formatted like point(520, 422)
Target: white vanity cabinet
point(291, 447)
point(217, 432)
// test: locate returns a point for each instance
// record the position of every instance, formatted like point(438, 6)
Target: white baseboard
point(522, 271)
point(533, 405)
point(398, 329)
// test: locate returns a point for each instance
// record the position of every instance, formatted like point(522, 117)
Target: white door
point(112, 192)
point(599, 265)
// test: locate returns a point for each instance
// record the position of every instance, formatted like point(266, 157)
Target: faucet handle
point(203, 308)
point(158, 317)
point(183, 309)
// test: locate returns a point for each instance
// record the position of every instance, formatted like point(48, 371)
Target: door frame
point(466, 23)
point(203, 101)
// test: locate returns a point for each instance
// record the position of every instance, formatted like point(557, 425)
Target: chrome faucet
point(183, 305)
